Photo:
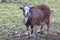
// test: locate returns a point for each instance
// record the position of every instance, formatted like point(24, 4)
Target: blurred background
point(11, 16)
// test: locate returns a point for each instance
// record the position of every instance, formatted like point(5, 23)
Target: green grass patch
point(11, 15)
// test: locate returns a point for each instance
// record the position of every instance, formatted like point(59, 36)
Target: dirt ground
point(41, 37)
point(51, 36)
point(38, 37)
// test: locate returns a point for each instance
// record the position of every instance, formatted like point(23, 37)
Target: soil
point(51, 36)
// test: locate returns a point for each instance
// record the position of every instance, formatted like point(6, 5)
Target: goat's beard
point(25, 19)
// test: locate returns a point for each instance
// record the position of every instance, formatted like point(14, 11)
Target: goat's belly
point(37, 23)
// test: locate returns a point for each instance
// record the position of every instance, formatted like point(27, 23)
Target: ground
point(11, 35)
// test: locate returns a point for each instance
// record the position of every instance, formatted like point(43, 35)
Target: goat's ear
point(21, 8)
point(31, 7)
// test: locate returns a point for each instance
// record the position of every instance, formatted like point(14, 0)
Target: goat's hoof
point(27, 36)
point(26, 33)
point(41, 32)
point(32, 35)
point(47, 33)
point(38, 31)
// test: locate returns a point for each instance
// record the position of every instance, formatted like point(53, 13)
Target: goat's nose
point(28, 14)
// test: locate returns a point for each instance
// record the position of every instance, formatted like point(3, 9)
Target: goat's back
point(37, 15)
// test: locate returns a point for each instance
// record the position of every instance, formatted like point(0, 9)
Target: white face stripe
point(26, 9)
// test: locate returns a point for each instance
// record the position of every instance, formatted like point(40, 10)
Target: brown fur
point(47, 11)
point(36, 18)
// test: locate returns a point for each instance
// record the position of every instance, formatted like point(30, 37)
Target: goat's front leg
point(27, 30)
point(31, 30)
point(32, 33)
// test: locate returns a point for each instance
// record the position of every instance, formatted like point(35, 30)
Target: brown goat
point(37, 15)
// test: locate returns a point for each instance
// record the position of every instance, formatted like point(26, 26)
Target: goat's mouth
point(27, 15)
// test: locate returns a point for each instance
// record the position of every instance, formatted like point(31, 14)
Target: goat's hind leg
point(40, 29)
point(48, 26)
